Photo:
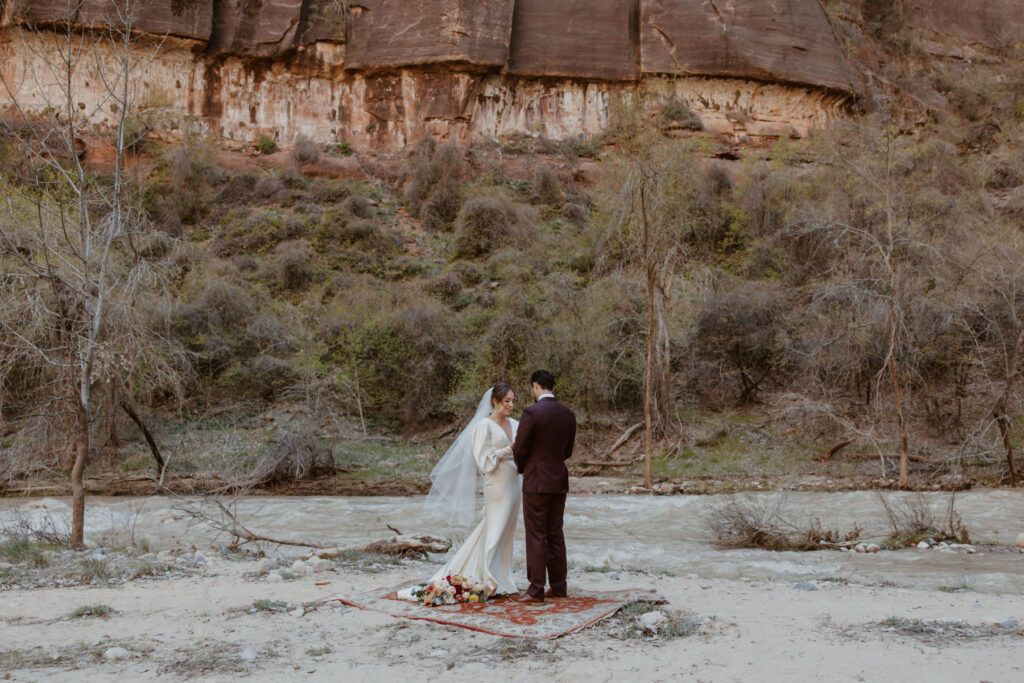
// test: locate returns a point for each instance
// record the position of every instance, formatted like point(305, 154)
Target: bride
point(483, 448)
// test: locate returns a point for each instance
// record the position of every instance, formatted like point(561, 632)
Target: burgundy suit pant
point(545, 542)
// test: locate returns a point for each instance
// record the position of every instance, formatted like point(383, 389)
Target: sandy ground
point(198, 628)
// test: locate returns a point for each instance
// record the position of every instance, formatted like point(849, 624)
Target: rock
point(651, 621)
point(274, 577)
point(249, 655)
point(320, 565)
point(400, 33)
point(299, 567)
point(265, 565)
point(1020, 540)
point(749, 40)
point(861, 548)
point(923, 545)
point(199, 558)
point(298, 611)
point(582, 38)
point(165, 556)
point(805, 586)
point(1010, 624)
point(114, 654)
point(872, 548)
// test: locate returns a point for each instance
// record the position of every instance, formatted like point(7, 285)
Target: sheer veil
point(454, 478)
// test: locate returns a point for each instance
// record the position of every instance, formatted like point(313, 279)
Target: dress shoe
point(552, 595)
point(527, 599)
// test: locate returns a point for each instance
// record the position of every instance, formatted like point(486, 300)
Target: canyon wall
point(380, 74)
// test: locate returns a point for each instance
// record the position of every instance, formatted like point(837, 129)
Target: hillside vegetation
point(809, 292)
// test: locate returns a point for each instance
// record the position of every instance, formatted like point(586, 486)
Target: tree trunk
point(649, 365)
point(894, 372)
point(1004, 430)
point(77, 484)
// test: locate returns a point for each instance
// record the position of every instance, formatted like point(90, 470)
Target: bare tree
point(880, 231)
point(73, 273)
point(645, 203)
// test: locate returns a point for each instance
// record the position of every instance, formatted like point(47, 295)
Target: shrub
point(267, 144)
point(238, 189)
point(442, 206)
point(677, 111)
point(329, 191)
point(487, 223)
point(446, 287)
point(292, 264)
point(739, 332)
point(547, 188)
point(268, 187)
point(358, 206)
point(220, 305)
point(264, 377)
point(431, 165)
point(305, 151)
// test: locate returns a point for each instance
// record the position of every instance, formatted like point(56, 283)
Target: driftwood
point(406, 546)
point(827, 455)
point(292, 458)
point(222, 520)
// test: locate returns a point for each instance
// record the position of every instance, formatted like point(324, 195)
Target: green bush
point(267, 144)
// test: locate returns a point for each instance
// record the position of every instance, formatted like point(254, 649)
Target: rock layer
point(381, 74)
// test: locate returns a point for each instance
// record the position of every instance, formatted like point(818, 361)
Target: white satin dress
point(486, 556)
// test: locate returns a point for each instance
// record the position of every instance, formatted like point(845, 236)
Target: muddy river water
point(653, 533)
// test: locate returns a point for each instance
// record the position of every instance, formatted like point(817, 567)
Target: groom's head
point(541, 382)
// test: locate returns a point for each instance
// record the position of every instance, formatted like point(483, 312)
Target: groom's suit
point(544, 441)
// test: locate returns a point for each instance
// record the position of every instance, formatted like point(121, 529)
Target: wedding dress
point(486, 556)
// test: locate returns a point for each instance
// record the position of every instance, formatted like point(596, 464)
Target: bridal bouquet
point(451, 590)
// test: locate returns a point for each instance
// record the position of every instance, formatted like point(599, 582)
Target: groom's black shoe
point(552, 595)
point(528, 599)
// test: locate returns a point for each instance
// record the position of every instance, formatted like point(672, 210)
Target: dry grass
point(757, 523)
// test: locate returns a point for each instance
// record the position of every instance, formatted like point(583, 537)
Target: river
point(653, 533)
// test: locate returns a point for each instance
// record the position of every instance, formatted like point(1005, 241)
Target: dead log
point(408, 546)
point(624, 438)
point(606, 463)
point(827, 455)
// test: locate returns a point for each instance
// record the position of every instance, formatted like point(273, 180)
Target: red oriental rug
point(504, 616)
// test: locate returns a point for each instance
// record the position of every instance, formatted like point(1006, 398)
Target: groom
point(544, 441)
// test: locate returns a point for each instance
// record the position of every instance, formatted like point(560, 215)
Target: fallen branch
point(624, 438)
point(605, 463)
point(154, 449)
point(223, 520)
point(871, 456)
point(827, 455)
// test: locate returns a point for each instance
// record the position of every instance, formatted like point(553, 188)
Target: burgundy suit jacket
point(544, 441)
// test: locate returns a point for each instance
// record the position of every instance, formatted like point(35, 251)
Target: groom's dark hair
point(544, 378)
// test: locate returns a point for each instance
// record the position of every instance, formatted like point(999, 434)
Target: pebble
point(923, 545)
point(1020, 540)
point(199, 558)
point(299, 567)
point(298, 611)
point(650, 621)
point(873, 548)
point(249, 654)
point(113, 654)
point(274, 577)
point(266, 564)
point(860, 548)
point(805, 586)
point(1009, 624)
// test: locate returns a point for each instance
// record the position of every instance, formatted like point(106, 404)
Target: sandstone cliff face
point(384, 73)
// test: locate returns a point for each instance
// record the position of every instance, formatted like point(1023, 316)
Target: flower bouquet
point(451, 590)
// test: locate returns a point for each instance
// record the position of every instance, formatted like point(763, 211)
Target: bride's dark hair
point(499, 391)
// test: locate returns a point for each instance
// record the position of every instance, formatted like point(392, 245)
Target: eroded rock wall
point(381, 74)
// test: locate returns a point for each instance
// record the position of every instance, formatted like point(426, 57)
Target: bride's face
point(504, 407)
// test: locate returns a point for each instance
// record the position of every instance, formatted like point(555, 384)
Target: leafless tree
point(645, 203)
point(73, 274)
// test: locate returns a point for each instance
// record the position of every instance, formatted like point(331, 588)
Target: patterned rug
point(504, 616)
